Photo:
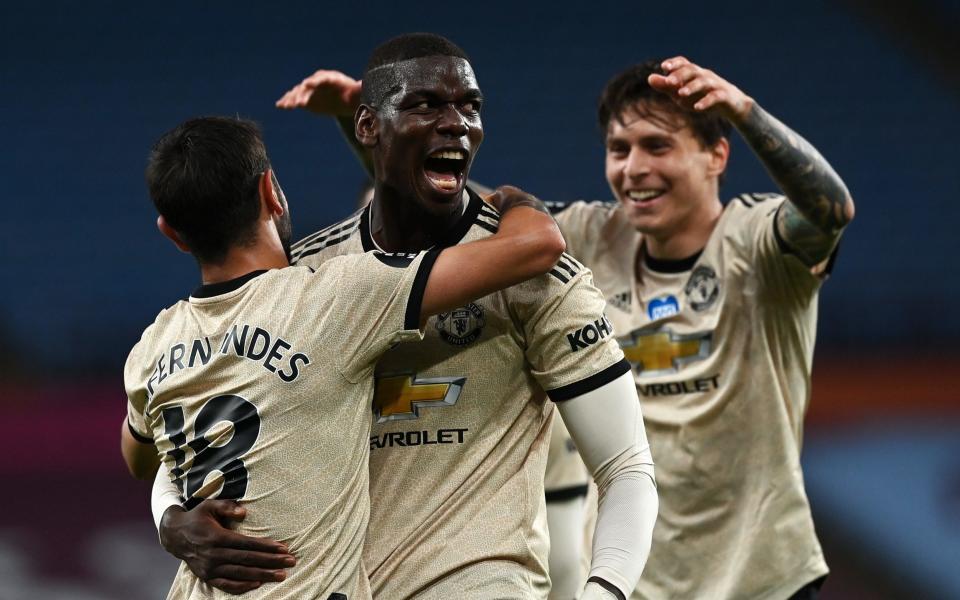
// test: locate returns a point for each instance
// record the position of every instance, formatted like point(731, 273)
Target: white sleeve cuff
point(164, 495)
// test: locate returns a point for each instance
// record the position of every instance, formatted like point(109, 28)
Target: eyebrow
point(470, 94)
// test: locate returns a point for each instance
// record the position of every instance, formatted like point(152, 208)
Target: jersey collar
point(452, 236)
point(209, 290)
point(668, 265)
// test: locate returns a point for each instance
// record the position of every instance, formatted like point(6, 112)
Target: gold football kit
point(721, 347)
point(258, 389)
point(461, 425)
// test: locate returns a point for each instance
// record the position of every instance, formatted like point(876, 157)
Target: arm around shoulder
point(527, 244)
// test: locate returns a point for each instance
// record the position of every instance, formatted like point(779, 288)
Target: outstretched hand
point(696, 88)
point(225, 559)
point(330, 93)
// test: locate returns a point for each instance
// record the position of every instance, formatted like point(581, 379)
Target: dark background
point(86, 88)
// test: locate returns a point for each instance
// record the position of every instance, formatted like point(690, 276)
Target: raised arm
point(818, 204)
point(333, 94)
point(528, 243)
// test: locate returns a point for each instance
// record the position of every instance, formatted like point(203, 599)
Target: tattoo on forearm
point(819, 205)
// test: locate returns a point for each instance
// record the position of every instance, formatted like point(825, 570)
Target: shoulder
point(567, 275)
point(151, 338)
point(594, 212)
point(745, 213)
point(754, 203)
point(328, 240)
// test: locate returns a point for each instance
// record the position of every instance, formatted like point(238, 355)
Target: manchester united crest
point(461, 326)
point(702, 288)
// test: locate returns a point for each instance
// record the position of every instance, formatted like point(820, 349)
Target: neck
point(243, 260)
point(398, 224)
point(689, 238)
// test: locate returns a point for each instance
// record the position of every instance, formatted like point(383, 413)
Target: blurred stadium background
point(87, 87)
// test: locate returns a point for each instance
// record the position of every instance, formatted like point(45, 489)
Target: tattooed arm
point(818, 204)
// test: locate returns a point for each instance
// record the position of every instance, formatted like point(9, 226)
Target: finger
point(684, 74)
point(285, 101)
point(241, 573)
point(674, 63)
point(323, 76)
point(247, 558)
point(227, 509)
point(234, 587)
point(226, 539)
point(711, 99)
point(699, 85)
point(660, 83)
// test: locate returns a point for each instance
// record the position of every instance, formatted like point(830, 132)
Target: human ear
point(171, 234)
point(367, 126)
point(719, 154)
point(268, 194)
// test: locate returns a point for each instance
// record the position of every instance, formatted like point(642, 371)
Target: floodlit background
point(85, 88)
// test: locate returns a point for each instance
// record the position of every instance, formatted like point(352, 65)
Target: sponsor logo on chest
point(662, 308)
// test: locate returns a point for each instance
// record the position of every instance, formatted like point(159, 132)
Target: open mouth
point(445, 168)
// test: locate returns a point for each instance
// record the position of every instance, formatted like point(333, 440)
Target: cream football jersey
point(461, 425)
point(721, 346)
point(258, 389)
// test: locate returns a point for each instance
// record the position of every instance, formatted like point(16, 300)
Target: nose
point(637, 165)
point(451, 122)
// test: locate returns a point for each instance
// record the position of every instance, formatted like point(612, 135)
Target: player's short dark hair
point(203, 177)
point(379, 83)
point(630, 91)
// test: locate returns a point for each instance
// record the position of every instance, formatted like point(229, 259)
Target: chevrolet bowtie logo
point(400, 397)
point(663, 352)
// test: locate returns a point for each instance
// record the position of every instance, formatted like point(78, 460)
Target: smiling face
point(660, 172)
point(428, 130)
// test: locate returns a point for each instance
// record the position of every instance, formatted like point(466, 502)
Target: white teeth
point(643, 194)
point(452, 154)
point(445, 184)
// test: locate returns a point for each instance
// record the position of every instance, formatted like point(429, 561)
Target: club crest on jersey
point(702, 288)
point(661, 308)
point(461, 326)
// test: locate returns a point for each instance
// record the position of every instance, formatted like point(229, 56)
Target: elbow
point(143, 470)
point(848, 210)
point(550, 249)
point(140, 474)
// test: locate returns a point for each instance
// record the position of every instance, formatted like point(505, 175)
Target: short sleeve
point(379, 298)
point(135, 377)
point(782, 274)
point(570, 344)
point(580, 223)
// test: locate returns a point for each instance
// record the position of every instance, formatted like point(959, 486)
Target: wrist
point(165, 522)
point(742, 112)
point(600, 589)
